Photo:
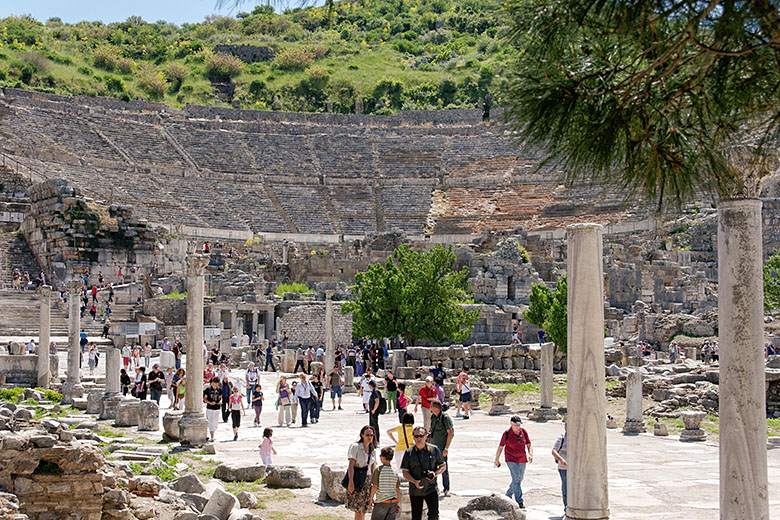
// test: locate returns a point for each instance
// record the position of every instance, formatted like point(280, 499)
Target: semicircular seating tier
point(425, 173)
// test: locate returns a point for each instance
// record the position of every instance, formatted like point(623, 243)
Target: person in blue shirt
point(269, 357)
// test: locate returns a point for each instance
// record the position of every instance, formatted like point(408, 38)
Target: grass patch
point(11, 394)
point(518, 388)
point(612, 384)
point(136, 468)
point(174, 295)
point(294, 287)
point(106, 432)
point(250, 487)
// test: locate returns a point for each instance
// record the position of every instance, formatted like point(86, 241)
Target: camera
point(429, 475)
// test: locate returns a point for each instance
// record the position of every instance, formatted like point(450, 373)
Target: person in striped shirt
point(385, 488)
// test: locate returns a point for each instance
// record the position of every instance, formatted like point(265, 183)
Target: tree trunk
point(743, 460)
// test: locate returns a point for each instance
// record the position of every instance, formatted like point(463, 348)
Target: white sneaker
point(458, 414)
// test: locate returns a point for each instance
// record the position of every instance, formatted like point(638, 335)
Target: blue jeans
point(517, 470)
point(249, 388)
point(314, 411)
point(305, 406)
point(562, 473)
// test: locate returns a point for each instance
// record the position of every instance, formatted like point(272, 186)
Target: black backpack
point(382, 405)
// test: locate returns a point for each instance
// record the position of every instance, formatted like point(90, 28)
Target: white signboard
point(147, 328)
point(211, 333)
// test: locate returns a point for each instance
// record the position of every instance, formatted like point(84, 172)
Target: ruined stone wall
point(169, 311)
point(22, 370)
point(246, 53)
point(306, 324)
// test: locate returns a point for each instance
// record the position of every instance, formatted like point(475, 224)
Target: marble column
point(234, 321)
point(44, 370)
point(635, 423)
point(285, 252)
point(112, 397)
point(71, 388)
point(255, 320)
point(743, 460)
point(546, 412)
point(193, 424)
point(588, 497)
point(268, 320)
point(330, 347)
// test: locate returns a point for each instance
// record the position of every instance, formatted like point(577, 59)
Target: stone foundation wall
point(306, 324)
point(23, 370)
point(169, 311)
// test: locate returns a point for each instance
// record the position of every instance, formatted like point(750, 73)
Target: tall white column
point(193, 424)
point(588, 497)
point(71, 388)
point(743, 464)
point(112, 397)
point(234, 321)
point(44, 370)
point(545, 412)
point(268, 320)
point(255, 320)
point(330, 347)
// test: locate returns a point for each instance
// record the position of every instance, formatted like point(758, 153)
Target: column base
point(501, 409)
point(697, 435)
point(108, 406)
point(193, 429)
point(543, 414)
point(44, 380)
point(573, 513)
point(71, 390)
point(634, 427)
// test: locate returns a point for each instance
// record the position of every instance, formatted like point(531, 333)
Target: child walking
point(257, 403)
point(385, 488)
point(267, 447)
point(236, 408)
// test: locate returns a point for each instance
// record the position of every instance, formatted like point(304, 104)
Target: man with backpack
point(377, 405)
point(441, 436)
point(518, 452)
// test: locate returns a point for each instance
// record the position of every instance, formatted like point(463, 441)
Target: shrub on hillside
point(114, 84)
point(106, 57)
point(175, 74)
point(152, 82)
point(222, 67)
point(294, 58)
point(35, 58)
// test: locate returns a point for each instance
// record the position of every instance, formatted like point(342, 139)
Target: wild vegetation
point(381, 55)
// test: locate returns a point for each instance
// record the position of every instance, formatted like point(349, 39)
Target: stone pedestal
point(693, 431)
point(193, 425)
point(167, 359)
point(398, 359)
point(498, 402)
point(170, 423)
point(94, 402)
point(148, 416)
point(72, 388)
point(127, 412)
point(44, 370)
point(588, 496)
point(660, 430)
point(349, 380)
point(112, 397)
point(546, 412)
point(330, 346)
point(743, 456)
point(109, 405)
point(634, 420)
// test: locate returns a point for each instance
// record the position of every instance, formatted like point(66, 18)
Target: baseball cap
point(429, 378)
point(516, 419)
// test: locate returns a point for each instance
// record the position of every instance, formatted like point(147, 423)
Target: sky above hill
point(107, 11)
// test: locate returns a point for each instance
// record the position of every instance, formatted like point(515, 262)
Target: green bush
point(106, 57)
point(174, 295)
point(294, 58)
point(152, 82)
point(11, 394)
point(294, 287)
point(222, 67)
point(114, 84)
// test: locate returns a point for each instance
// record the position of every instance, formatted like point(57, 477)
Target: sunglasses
point(420, 436)
point(368, 434)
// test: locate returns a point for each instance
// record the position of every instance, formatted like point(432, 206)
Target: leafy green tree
point(415, 294)
point(556, 324)
point(772, 283)
point(540, 301)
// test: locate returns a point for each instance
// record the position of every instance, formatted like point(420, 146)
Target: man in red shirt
point(516, 443)
point(424, 397)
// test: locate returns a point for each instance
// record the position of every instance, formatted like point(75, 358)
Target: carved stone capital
point(74, 286)
point(329, 294)
point(45, 290)
point(196, 264)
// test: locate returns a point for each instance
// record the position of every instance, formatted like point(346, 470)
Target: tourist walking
point(305, 394)
point(310, 356)
point(403, 438)
point(226, 388)
point(106, 327)
point(147, 355)
point(361, 460)
point(156, 379)
point(516, 446)
point(365, 389)
point(212, 396)
point(424, 397)
point(92, 358)
point(124, 381)
point(464, 395)
point(335, 383)
point(403, 401)
point(559, 453)
point(139, 387)
point(257, 403)
point(169, 386)
point(284, 403)
point(299, 359)
point(269, 358)
point(293, 401)
point(421, 465)
point(126, 353)
point(267, 447)
point(181, 387)
point(391, 387)
point(464, 374)
point(317, 396)
point(137, 355)
point(375, 408)
point(252, 377)
point(385, 488)
point(236, 409)
point(441, 436)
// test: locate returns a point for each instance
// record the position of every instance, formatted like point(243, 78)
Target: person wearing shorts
point(334, 382)
point(212, 396)
point(236, 409)
point(465, 396)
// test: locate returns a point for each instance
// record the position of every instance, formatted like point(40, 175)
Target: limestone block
point(416, 352)
point(330, 484)
point(660, 430)
point(171, 424)
point(127, 412)
point(507, 363)
point(94, 402)
point(148, 416)
point(406, 373)
point(534, 351)
point(437, 354)
point(501, 351)
point(167, 359)
point(529, 363)
point(519, 349)
point(220, 505)
point(414, 363)
point(426, 362)
point(194, 500)
point(247, 500)
point(185, 515)
point(457, 352)
point(518, 363)
point(480, 350)
point(240, 471)
point(494, 506)
point(497, 363)
point(187, 483)
point(242, 514)
point(478, 363)
point(147, 485)
point(286, 477)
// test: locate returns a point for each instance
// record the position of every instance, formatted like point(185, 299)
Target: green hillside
point(384, 55)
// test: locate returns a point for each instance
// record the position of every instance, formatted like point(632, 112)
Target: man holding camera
point(421, 464)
